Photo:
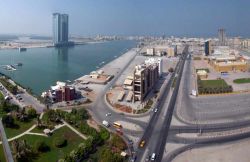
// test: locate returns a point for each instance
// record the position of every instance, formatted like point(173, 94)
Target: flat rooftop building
point(145, 77)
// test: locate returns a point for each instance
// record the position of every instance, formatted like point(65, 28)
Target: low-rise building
point(202, 74)
point(62, 92)
point(228, 63)
point(150, 51)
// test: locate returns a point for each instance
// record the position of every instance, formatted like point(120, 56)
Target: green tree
point(14, 89)
point(104, 134)
point(8, 120)
point(117, 142)
point(31, 113)
point(171, 70)
point(60, 142)
point(108, 156)
point(41, 146)
point(22, 152)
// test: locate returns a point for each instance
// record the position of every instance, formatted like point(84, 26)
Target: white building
point(156, 61)
point(150, 51)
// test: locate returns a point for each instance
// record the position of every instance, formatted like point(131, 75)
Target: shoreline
point(30, 45)
point(103, 66)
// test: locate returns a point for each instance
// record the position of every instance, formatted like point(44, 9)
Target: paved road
point(161, 142)
point(6, 146)
point(155, 130)
point(27, 99)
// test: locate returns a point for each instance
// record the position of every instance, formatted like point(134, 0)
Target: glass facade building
point(60, 28)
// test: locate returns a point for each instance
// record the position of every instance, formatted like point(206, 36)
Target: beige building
point(172, 51)
point(228, 63)
point(202, 74)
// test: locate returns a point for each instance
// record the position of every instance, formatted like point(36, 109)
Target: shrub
point(104, 134)
point(31, 113)
point(41, 146)
point(117, 142)
point(171, 70)
point(60, 142)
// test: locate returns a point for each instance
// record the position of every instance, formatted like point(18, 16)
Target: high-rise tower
point(222, 37)
point(60, 29)
point(208, 48)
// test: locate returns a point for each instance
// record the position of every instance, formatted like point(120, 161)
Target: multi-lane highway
point(156, 132)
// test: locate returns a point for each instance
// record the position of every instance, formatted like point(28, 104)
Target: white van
point(153, 157)
point(105, 123)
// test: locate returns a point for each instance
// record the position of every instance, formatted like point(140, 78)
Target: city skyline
point(178, 18)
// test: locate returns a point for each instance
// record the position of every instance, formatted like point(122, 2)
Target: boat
point(10, 67)
point(19, 64)
point(22, 49)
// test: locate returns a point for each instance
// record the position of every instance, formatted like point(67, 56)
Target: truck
point(105, 123)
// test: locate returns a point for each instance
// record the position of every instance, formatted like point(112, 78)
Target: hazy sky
point(128, 17)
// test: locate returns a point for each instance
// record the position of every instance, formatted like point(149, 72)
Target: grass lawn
point(37, 130)
point(213, 83)
point(23, 126)
point(2, 157)
point(73, 140)
point(242, 80)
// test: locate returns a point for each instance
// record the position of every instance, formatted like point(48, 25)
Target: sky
point(128, 17)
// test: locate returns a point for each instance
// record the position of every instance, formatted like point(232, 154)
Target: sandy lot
point(231, 152)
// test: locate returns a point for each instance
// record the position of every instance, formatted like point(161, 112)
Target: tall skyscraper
point(60, 29)
point(208, 48)
point(222, 37)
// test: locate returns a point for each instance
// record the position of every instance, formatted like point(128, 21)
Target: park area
point(213, 86)
point(57, 135)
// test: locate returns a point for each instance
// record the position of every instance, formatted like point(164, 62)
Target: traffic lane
point(153, 143)
point(147, 133)
point(165, 128)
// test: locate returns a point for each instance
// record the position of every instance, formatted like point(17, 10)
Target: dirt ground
point(231, 152)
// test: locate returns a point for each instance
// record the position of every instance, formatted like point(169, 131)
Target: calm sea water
point(42, 67)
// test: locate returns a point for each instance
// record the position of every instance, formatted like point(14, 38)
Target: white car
point(156, 110)
point(153, 157)
point(108, 114)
